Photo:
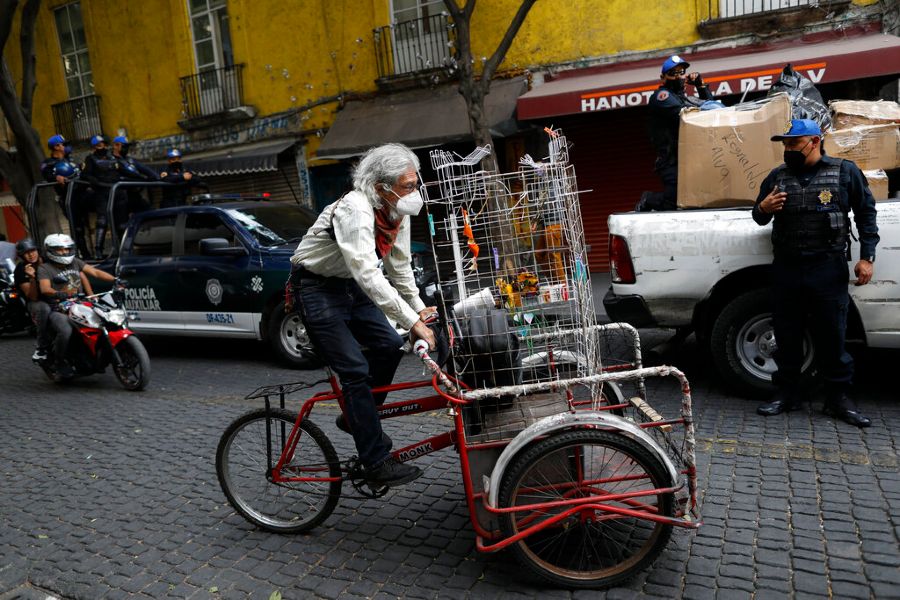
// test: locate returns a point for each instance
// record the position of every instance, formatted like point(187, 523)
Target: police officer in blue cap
point(101, 170)
point(808, 199)
point(176, 173)
point(60, 169)
point(665, 108)
point(130, 170)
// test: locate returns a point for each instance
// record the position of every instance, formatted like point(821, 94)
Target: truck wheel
point(288, 338)
point(742, 344)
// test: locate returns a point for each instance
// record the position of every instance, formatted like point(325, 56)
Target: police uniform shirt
point(853, 195)
point(665, 111)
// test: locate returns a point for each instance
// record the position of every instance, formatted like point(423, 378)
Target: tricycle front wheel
point(590, 548)
point(242, 464)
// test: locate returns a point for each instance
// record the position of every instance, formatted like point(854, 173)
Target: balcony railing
point(413, 46)
point(212, 91)
point(78, 119)
point(726, 9)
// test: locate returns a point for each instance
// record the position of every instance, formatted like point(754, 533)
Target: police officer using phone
point(666, 105)
point(809, 199)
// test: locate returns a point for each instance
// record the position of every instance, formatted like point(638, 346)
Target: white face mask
point(408, 205)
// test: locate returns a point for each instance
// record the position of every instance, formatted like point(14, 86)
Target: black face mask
point(124, 151)
point(676, 86)
point(100, 152)
point(795, 159)
point(175, 166)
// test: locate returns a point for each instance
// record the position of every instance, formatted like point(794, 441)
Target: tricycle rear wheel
point(589, 548)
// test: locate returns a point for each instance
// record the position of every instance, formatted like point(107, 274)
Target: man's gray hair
point(382, 164)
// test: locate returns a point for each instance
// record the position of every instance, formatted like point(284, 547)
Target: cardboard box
point(723, 155)
point(850, 113)
point(871, 147)
point(878, 184)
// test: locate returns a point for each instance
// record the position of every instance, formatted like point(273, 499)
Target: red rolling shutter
point(613, 159)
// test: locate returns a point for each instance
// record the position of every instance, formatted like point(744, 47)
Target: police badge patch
point(662, 95)
point(214, 291)
point(825, 197)
point(787, 128)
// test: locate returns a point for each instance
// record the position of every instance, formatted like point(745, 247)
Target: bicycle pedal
point(356, 475)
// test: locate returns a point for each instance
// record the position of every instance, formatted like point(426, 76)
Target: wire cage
point(511, 263)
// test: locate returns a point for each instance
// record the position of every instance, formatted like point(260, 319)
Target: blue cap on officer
point(54, 140)
point(120, 139)
point(799, 128)
point(173, 153)
point(672, 62)
point(97, 139)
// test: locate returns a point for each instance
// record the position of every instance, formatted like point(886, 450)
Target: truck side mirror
point(220, 247)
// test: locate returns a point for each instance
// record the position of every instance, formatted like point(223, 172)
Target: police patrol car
point(216, 268)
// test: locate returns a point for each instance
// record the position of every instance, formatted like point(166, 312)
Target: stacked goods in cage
point(511, 264)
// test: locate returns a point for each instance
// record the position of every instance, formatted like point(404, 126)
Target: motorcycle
point(14, 315)
point(103, 338)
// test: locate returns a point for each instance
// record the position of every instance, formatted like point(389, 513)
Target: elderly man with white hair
point(345, 298)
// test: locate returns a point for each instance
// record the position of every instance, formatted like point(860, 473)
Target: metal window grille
point(725, 9)
point(212, 91)
point(416, 45)
point(78, 119)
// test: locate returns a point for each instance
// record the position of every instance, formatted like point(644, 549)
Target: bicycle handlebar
point(420, 349)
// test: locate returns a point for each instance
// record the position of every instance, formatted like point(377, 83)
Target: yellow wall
point(300, 52)
point(564, 30)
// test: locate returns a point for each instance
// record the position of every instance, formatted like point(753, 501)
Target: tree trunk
point(22, 166)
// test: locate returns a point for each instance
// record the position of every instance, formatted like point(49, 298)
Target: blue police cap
point(799, 128)
point(672, 62)
point(54, 140)
point(173, 153)
point(120, 139)
point(97, 139)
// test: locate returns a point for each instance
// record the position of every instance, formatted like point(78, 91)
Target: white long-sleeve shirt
point(351, 254)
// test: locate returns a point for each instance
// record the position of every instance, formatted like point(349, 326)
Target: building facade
point(279, 97)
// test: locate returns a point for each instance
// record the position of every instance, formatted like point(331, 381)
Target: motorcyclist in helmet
point(25, 281)
point(61, 277)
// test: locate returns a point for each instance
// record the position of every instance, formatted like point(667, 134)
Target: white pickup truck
point(706, 271)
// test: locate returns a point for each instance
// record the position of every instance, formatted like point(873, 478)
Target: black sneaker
point(392, 472)
point(341, 423)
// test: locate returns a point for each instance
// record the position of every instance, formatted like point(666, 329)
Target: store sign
point(719, 85)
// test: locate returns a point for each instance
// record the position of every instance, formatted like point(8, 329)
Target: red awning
point(631, 84)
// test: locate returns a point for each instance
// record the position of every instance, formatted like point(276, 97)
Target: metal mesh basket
point(511, 262)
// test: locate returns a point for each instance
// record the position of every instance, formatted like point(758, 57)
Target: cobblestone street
point(109, 494)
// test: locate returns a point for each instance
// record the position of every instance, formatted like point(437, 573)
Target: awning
point(248, 158)
point(631, 84)
point(418, 118)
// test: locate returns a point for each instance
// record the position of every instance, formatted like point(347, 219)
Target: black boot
point(784, 400)
point(98, 246)
point(838, 405)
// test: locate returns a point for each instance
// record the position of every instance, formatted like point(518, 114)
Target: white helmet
point(59, 248)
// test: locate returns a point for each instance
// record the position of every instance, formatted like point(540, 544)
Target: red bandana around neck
point(386, 230)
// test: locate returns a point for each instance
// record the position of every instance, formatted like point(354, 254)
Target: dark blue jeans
point(811, 293)
point(340, 320)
